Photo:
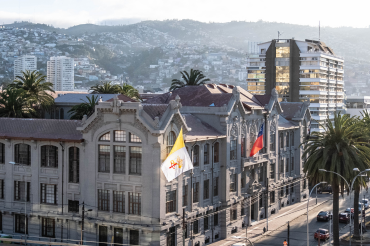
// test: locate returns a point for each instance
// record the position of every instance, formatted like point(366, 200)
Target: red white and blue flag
point(258, 145)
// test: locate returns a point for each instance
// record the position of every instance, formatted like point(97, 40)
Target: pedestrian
point(264, 230)
point(285, 243)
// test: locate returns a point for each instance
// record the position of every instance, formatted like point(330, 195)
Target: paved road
point(296, 215)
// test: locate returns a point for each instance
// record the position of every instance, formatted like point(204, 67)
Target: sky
point(67, 13)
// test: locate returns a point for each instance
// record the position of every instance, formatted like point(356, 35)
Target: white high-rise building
point(299, 71)
point(23, 63)
point(61, 73)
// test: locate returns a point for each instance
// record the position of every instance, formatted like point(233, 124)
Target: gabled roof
point(154, 110)
point(123, 98)
point(284, 123)
point(292, 109)
point(200, 130)
point(40, 129)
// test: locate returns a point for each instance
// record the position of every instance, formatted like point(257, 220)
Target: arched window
point(134, 138)
point(233, 145)
point(74, 165)
point(196, 155)
point(2, 153)
point(171, 138)
point(292, 138)
point(62, 113)
point(216, 152)
point(287, 139)
point(272, 141)
point(206, 154)
point(49, 156)
point(105, 137)
point(22, 154)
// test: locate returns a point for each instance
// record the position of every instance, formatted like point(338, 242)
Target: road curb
point(269, 232)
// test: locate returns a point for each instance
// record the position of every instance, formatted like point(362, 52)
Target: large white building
point(299, 69)
point(23, 63)
point(61, 73)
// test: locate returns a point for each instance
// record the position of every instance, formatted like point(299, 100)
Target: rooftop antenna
point(279, 34)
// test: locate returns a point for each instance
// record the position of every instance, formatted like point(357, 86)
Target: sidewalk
point(255, 231)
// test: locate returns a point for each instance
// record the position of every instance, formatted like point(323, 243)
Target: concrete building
point(60, 72)
point(299, 69)
point(110, 163)
point(355, 105)
point(23, 63)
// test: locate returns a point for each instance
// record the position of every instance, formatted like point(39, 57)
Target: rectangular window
point(242, 211)
point(260, 202)
point(243, 180)
point(206, 189)
point(49, 194)
point(232, 182)
point(134, 138)
point(260, 175)
point(185, 195)
point(119, 201)
point(103, 200)
point(287, 165)
point(19, 225)
point(272, 197)
point(104, 158)
point(272, 171)
point(73, 206)
point(292, 188)
point(233, 214)
point(215, 187)
point(171, 237)
point(281, 165)
point(134, 203)
point(171, 201)
point(134, 237)
point(287, 139)
point(103, 235)
point(196, 192)
point(119, 159)
point(281, 140)
point(49, 156)
point(118, 236)
point(215, 152)
point(48, 227)
point(2, 153)
point(119, 136)
point(215, 218)
point(196, 156)
point(304, 184)
point(23, 154)
point(196, 227)
point(233, 149)
point(243, 148)
point(74, 165)
point(135, 160)
point(272, 142)
point(206, 154)
point(286, 190)
point(292, 164)
point(2, 188)
point(206, 223)
point(281, 191)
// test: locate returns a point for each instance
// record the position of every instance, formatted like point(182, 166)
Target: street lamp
point(308, 201)
point(25, 203)
point(350, 193)
point(237, 237)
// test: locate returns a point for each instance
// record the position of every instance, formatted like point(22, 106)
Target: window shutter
point(15, 190)
point(55, 194)
point(16, 153)
point(43, 155)
point(29, 155)
point(28, 191)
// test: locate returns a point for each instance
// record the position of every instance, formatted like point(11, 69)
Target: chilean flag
point(258, 145)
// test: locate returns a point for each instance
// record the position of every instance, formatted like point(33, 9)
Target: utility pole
point(288, 233)
point(267, 204)
point(316, 195)
point(183, 227)
point(82, 222)
point(61, 235)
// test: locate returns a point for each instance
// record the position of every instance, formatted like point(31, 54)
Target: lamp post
point(308, 201)
point(25, 203)
point(237, 237)
point(350, 194)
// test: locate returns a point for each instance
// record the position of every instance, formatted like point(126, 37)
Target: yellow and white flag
point(178, 161)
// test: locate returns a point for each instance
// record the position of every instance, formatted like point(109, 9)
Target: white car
point(366, 203)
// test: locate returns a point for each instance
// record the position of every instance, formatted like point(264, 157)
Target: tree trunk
point(356, 231)
point(335, 187)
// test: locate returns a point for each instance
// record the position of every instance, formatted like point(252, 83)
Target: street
point(296, 215)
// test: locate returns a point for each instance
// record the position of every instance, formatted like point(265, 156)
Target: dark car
point(323, 216)
point(326, 188)
point(344, 218)
point(323, 234)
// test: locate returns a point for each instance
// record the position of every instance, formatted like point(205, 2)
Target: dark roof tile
point(154, 110)
point(291, 109)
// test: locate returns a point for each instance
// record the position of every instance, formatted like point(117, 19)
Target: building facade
point(299, 69)
point(60, 72)
point(24, 63)
point(109, 166)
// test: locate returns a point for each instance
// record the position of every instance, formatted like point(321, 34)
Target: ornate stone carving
point(244, 129)
point(156, 122)
point(273, 125)
point(234, 127)
point(175, 104)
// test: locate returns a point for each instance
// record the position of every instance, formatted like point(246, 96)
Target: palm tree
point(15, 103)
point(33, 83)
point(339, 149)
point(86, 108)
point(129, 91)
point(105, 88)
point(196, 77)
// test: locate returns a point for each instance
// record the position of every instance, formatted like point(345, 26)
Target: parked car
point(323, 216)
point(366, 203)
point(344, 218)
point(325, 188)
point(350, 211)
point(5, 236)
point(324, 234)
